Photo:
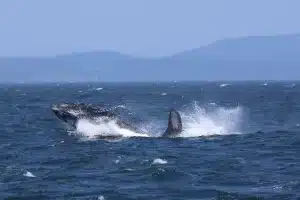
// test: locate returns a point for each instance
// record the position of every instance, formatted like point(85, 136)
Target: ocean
point(241, 140)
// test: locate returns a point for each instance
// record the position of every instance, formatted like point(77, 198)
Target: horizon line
point(150, 82)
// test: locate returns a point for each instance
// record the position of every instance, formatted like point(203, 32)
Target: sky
point(138, 27)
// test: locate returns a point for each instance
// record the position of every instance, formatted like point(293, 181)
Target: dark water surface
point(241, 141)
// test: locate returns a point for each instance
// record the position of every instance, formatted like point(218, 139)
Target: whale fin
point(174, 124)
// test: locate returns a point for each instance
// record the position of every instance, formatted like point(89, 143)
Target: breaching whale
point(71, 113)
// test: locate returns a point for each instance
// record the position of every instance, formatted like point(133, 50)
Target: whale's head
point(71, 113)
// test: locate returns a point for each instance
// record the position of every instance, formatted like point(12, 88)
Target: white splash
point(163, 94)
point(92, 129)
point(159, 161)
point(197, 122)
point(219, 121)
point(29, 174)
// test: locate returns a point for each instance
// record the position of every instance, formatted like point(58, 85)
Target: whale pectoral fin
point(174, 124)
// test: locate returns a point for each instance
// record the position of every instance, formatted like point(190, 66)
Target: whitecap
point(101, 197)
point(99, 89)
point(29, 174)
point(159, 161)
point(224, 85)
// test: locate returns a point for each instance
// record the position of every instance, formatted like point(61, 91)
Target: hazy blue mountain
point(249, 48)
point(250, 58)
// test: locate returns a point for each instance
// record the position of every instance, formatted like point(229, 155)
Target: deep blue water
point(241, 141)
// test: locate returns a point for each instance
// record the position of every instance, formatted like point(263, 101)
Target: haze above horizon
point(147, 29)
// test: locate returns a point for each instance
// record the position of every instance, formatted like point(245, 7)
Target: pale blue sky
point(138, 27)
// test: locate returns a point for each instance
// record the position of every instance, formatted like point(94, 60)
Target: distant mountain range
point(249, 58)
